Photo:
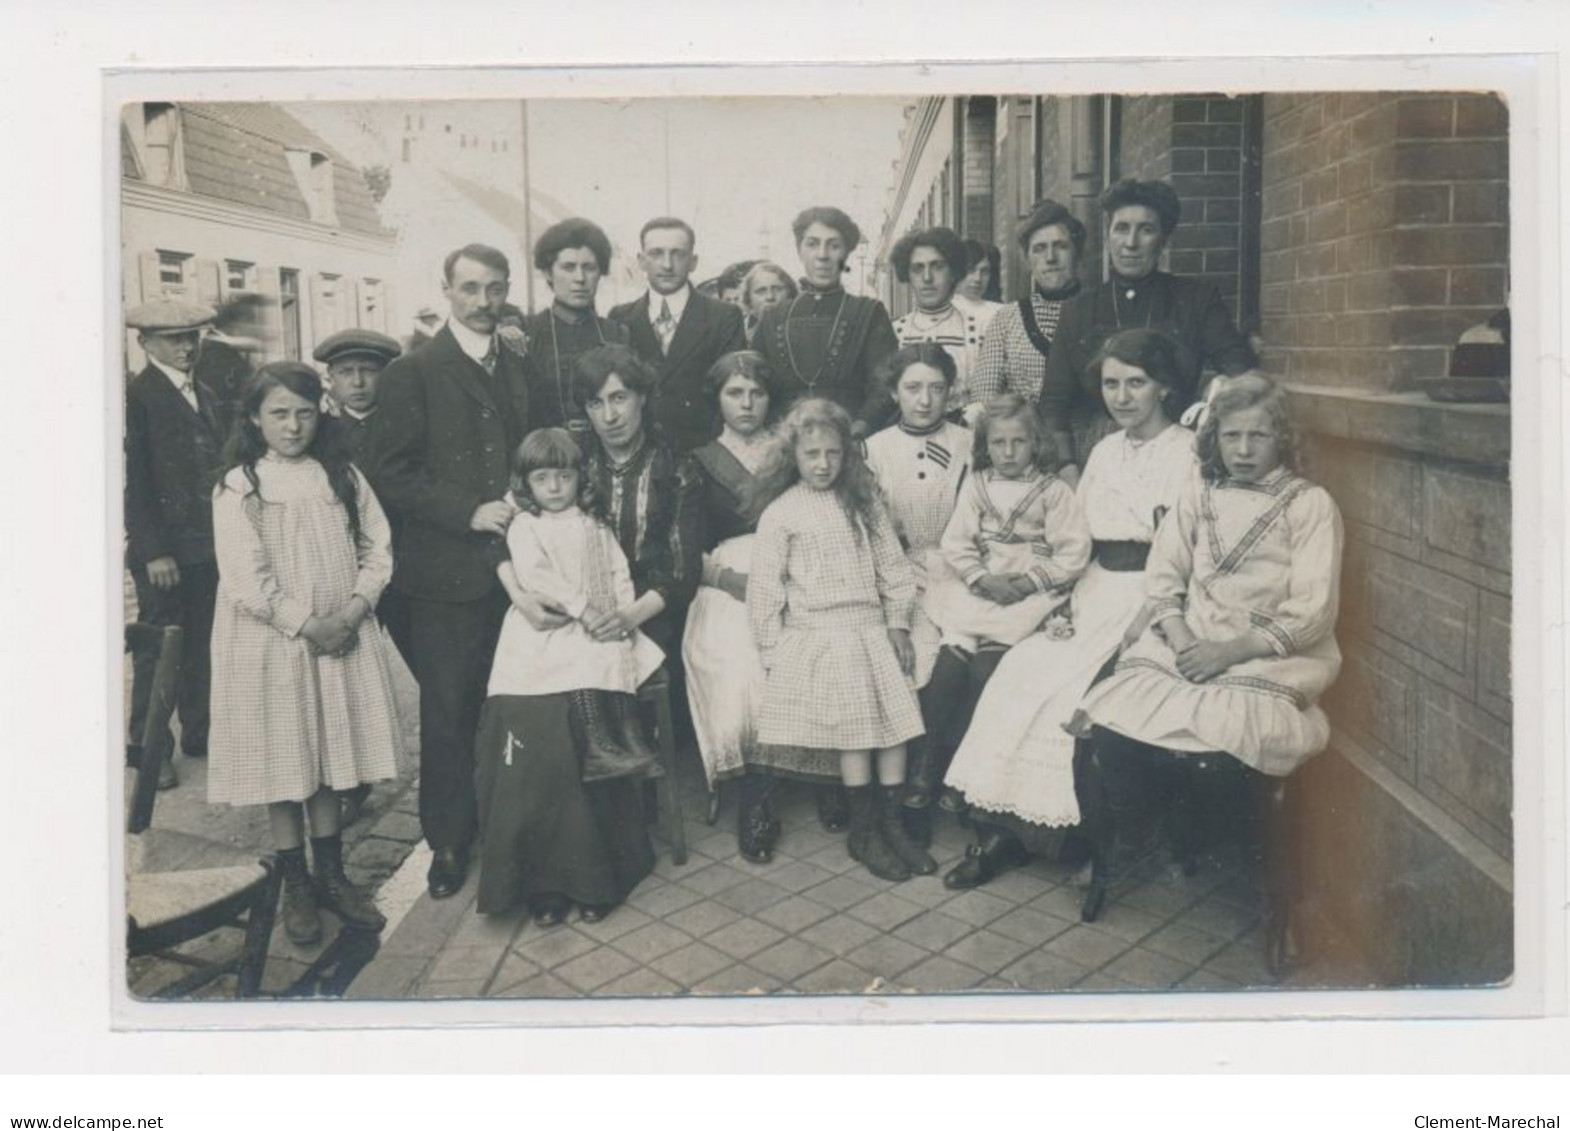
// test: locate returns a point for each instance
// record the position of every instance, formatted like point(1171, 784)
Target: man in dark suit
point(451, 414)
point(678, 331)
point(175, 425)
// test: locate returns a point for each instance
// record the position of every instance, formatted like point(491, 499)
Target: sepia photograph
point(1002, 545)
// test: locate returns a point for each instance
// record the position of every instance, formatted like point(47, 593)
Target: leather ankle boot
point(336, 893)
point(891, 826)
point(603, 755)
point(302, 922)
point(866, 842)
point(630, 728)
point(994, 854)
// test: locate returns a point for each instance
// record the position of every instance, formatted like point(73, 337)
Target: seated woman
point(1243, 584)
point(550, 839)
point(1015, 765)
point(724, 674)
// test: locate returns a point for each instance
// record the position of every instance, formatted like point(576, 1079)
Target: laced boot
point(995, 853)
point(630, 727)
point(336, 893)
point(301, 920)
point(757, 831)
point(891, 826)
point(833, 810)
point(603, 756)
point(866, 842)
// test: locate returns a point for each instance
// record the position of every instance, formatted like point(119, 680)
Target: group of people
point(923, 564)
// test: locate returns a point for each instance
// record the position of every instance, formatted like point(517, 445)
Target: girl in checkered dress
point(302, 686)
point(830, 599)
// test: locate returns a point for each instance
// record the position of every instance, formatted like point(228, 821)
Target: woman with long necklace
point(1141, 217)
point(826, 342)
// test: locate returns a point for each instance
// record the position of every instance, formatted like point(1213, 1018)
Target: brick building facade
point(1357, 235)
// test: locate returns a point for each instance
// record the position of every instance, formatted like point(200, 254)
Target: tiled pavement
point(814, 921)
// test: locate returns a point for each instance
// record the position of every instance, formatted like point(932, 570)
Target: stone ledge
point(1470, 433)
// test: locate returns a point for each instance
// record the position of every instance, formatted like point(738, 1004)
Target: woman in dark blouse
point(548, 839)
point(1141, 217)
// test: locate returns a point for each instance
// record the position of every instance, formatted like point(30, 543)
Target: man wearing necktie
point(175, 427)
point(451, 413)
point(678, 331)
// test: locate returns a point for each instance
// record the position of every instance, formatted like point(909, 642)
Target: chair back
point(164, 642)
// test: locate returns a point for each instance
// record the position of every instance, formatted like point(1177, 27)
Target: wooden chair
point(165, 909)
point(656, 690)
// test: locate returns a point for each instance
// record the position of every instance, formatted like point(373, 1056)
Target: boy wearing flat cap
point(175, 425)
point(355, 360)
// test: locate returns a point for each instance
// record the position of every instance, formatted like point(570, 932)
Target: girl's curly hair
point(856, 489)
point(1012, 406)
point(1235, 394)
point(554, 448)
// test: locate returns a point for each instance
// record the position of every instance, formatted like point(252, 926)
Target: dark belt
point(1121, 557)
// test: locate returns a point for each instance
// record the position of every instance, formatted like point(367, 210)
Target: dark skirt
point(541, 829)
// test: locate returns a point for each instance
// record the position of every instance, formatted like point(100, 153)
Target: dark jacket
point(173, 459)
point(708, 330)
point(829, 344)
point(445, 437)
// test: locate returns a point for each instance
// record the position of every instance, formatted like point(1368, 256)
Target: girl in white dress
point(1015, 766)
point(830, 599)
point(560, 550)
point(303, 699)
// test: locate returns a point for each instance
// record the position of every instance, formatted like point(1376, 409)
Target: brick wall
point(1384, 232)
point(1145, 152)
point(1207, 171)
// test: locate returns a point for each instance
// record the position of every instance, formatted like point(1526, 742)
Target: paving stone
point(833, 858)
point(841, 892)
point(714, 879)
point(378, 854)
point(837, 977)
point(744, 938)
point(1184, 943)
point(514, 969)
point(488, 930)
point(885, 911)
point(1028, 925)
point(736, 980)
point(622, 921)
point(792, 914)
point(1219, 918)
point(1243, 962)
point(550, 947)
point(541, 986)
point(887, 956)
point(988, 951)
point(648, 942)
point(386, 977)
point(1087, 946)
point(1130, 923)
point(752, 896)
point(1148, 970)
point(1206, 979)
point(1018, 886)
point(1100, 982)
point(790, 959)
point(938, 974)
point(839, 935)
point(398, 825)
point(1043, 970)
point(692, 963)
point(660, 900)
point(1164, 899)
point(1062, 901)
point(978, 908)
point(714, 843)
point(639, 983)
point(459, 988)
point(926, 891)
point(593, 969)
point(428, 924)
point(467, 963)
point(702, 918)
point(933, 930)
point(798, 875)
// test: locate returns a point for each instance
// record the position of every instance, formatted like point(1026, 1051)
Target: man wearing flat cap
point(175, 425)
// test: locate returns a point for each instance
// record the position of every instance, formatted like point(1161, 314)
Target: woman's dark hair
point(945, 241)
point(833, 218)
point(329, 446)
point(1012, 406)
point(1158, 196)
point(553, 448)
point(888, 372)
point(1044, 215)
point(751, 365)
point(856, 489)
point(574, 232)
point(975, 252)
point(594, 368)
point(1160, 355)
point(1234, 394)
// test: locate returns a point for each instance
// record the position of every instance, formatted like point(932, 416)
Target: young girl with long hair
point(302, 693)
point(830, 600)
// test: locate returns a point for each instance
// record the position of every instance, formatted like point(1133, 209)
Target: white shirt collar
point(678, 303)
point(178, 379)
point(475, 345)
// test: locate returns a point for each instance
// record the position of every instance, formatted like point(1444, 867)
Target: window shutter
point(209, 279)
point(151, 277)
